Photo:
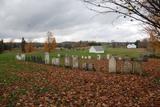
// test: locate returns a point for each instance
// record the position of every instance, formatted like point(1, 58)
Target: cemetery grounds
point(31, 84)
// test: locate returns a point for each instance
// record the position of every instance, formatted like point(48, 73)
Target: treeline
point(4, 46)
point(8, 46)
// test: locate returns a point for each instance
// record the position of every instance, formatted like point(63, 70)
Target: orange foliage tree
point(29, 47)
point(154, 41)
point(50, 43)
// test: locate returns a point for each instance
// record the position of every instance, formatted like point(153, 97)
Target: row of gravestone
point(128, 66)
point(74, 62)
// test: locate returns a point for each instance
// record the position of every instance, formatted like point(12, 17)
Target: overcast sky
point(69, 20)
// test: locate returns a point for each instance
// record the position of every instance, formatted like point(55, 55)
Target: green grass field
point(113, 51)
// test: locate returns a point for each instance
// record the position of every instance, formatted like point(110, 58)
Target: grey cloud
point(32, 18)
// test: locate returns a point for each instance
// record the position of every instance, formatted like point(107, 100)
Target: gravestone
point(58, 55)
point(23, 56)
point(89, 57)
point(18, 57)
point(91, 67)
point(82, 57)
point(112, 65)
point(85, 57)
point(46, 58)
point(56, 61)
point(137, 67)
point(75, 63)
point(84, 66)
point(32, 58)
point(108, 56)
point(98, 57)
point(119, 58)
point(127, 67)
point(67, 61)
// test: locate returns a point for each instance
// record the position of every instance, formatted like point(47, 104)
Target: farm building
point(96, 49)
point(131, 46)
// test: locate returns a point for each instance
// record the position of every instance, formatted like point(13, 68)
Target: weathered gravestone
point(82, 57)
point(23, 56)
point(46, 58)
point(56, 61)
point(112, 65)
point(89, 57)
point(98, 57)
point(91, 67)
point(67, 61)
point(127, 67)
point(18, 57)
point(58, 55)
point(108, 56)
point(75, 63)
point(41, 60)
point(119, 58)
point(137, 67)
point(84, 66)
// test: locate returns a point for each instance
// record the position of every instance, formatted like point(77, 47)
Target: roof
point(98, 48)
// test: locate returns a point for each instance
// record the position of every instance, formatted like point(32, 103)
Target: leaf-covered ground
point(48, 86)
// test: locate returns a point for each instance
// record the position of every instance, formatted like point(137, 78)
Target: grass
point(112, 51)
point(9, 65)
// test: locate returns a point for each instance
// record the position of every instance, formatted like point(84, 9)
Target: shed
point(131, 46)
point(96, 49)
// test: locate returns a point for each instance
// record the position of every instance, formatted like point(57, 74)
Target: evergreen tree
point(23, 45)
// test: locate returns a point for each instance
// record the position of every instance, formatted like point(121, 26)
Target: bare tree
point(142, 10)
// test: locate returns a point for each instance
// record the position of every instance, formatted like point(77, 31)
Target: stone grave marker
point(82, 57)
point(91, 67)
point(89, 57)
point(46, 58)
point(98, 57)
point(18, 57)
point(108, 56)
point(119, 58)
point(75, 63)
point(58, 55)
point(112, 65)
point(23, 56)
point(137, 67)
point(84, 66)
point(127, 67)
point(56, 61)
point(85, 57)
point(67, 61)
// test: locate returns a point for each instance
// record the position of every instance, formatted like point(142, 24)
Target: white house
point(96, 49)
point(131, 46)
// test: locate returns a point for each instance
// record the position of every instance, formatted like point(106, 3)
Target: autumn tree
point(154, 41)
point(50, 43)
point(29, 47)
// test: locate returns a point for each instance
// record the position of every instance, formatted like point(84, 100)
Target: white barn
point(131, 46)
point(96, 49)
